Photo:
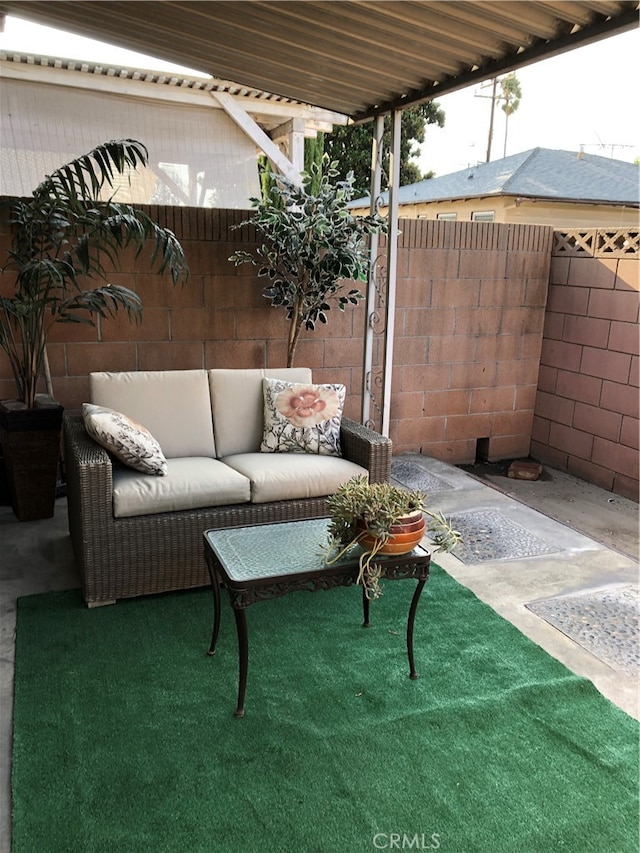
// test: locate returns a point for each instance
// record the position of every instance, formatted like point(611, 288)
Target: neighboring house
point(541, 186)
point(203, 134)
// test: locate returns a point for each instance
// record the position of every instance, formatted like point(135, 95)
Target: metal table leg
point(243, 658)
point(215, 584)
point(365, 609)
point(410, 621)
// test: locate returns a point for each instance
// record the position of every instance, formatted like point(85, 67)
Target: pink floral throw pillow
point(129, 441)
point(300, 418)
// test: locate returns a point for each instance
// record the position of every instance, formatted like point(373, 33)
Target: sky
point(585, 98)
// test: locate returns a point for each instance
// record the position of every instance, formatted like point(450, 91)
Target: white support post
point(296, 144)
point(257, 134)
point(392, 266)
point(290, 136)
point(376, 179)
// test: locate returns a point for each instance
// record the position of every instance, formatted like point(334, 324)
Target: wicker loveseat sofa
point(135, 533)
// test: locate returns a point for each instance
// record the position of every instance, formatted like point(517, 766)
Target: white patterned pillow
point(129, 441)
point(302, 418)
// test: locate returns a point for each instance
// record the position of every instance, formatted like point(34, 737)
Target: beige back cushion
point(174, 405)
point(237, 403)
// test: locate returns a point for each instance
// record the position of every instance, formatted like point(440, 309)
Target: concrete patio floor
point(589, 542)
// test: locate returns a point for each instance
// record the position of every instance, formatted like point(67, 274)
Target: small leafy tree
point(311, 245)
point(350, 145)
point(62, 237)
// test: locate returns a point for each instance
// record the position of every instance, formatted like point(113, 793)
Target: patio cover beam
point(292, 134)
point(255, 132)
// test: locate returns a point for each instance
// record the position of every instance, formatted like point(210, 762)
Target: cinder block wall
point(469, 319)
point(219, 318)
point(586, 412)
point(472, 370)
point(470, 311)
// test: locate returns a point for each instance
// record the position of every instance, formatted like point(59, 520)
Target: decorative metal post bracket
point(380, 310)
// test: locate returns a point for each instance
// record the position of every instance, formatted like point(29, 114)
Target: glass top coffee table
point(270, 560)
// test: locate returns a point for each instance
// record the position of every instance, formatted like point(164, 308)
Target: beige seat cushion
point(286, 476)
point(237, 403)
point(190, 483)
point(174, 405)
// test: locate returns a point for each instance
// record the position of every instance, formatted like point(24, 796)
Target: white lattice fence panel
point(596, 242)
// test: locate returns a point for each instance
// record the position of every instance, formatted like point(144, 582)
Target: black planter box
point(30, 441)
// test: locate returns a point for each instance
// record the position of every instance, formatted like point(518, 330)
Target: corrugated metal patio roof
point(358, 58)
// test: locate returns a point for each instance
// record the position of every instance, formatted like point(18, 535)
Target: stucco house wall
point(560, 215)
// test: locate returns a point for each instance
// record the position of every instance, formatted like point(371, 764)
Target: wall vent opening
point(482, 449)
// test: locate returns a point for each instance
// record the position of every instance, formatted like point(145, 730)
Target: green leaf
point(63, 235)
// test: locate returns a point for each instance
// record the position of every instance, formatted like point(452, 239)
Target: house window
point(483, 216)
point(447, 216)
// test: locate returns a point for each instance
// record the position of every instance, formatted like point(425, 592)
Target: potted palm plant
point(62, 237)
point(381, 519)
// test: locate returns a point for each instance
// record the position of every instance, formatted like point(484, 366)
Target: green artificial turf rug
point(125, 739)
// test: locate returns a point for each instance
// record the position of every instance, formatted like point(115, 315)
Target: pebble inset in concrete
point(604, 622)
point(489, 535)
point(412, 475)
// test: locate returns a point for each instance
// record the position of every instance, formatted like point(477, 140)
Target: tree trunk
point(295, 328)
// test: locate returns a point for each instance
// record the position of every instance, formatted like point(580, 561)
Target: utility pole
point(493, 110)
point(494, 97)
point(510, 94)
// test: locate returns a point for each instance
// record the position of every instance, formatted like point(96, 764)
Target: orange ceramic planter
point(405, 535)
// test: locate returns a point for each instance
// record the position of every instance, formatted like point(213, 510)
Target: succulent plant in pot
point(382, 519)
point(63, 236)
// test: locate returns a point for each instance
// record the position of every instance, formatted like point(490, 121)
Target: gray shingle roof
point(538, 173)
